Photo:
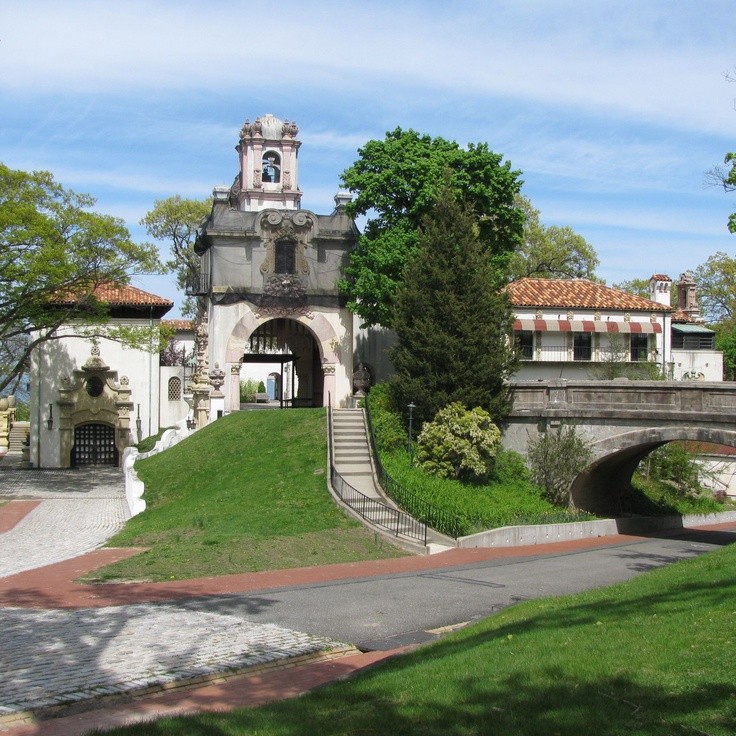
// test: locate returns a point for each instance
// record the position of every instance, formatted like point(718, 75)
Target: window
point(286, 256)
point(639, 347)
point(271, 168)
point(174, 389)
point(525, 343)
point(582, 345)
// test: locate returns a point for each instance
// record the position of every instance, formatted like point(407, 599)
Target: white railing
point(134, 487)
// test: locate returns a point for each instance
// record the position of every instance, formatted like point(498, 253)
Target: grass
point(658, 498)
point(508, 499)
point(649, 657)
point(246, 493)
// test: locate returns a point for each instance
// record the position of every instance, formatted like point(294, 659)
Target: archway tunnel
point(605, 485)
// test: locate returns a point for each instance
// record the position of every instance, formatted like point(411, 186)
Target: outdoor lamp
point(50, 420)
point(411, 408)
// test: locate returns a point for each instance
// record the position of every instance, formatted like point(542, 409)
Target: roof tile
point(577, 293)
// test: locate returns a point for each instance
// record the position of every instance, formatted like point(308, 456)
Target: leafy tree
point(673, 464)
point(555, 459)
point(459, 443)
point(396, 182)
point(716, 280)
point(452, 320)
point(551, 252)
point(638, 287)
point(176, 220)
point(52, 244)
point(725, 176)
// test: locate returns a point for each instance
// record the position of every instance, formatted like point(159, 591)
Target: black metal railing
point(443, 521)
point(394, 521)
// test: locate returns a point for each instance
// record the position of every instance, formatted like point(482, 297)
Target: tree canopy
point(396, 182)
point(51, 243)
point(175, 220)
point(550, 251)
point(716, 280)
point(452, 319)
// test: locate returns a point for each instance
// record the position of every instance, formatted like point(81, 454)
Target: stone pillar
point(329, 393)
point(235, 386)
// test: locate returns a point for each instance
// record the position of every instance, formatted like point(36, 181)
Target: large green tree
point(452, 319)
point(716, 280)
point(52, 243)
point(175, 220)
point(396, 181)
point(551, 251)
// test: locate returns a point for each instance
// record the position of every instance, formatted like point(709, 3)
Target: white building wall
point(697, 365)
point(55, 359)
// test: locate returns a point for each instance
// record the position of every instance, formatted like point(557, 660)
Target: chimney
point(660, 287)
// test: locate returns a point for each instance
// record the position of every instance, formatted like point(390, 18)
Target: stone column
point(328, 369)
point(235, 386)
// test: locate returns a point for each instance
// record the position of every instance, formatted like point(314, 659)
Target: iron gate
point(94, 444)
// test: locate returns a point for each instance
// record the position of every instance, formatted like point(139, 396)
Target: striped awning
point(584, 325)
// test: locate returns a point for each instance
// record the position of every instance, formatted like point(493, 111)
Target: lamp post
point(411, 408)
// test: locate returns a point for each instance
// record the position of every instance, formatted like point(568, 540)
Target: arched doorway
point(291, 346)
point(94, 444)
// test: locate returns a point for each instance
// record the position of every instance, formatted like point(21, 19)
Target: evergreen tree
point(453, 321)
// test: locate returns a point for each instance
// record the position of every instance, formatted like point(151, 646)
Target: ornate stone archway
point(326, 341)
point(93, 395)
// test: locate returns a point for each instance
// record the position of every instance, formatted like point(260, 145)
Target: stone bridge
point(624, 421)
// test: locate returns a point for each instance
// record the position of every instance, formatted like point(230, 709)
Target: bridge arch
point(603, 485)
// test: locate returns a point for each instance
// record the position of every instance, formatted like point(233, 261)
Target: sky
point(612, 111)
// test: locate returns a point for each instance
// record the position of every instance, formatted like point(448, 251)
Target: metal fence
point(394, 521)
point(439, 519)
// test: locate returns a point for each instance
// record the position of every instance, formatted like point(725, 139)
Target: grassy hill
point(246, 493)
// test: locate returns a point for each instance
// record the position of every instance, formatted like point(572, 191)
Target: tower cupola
point(268, 176)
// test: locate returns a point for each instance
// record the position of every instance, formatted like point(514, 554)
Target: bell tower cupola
point(268, 175)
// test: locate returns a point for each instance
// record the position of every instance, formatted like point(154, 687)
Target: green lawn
point(650, 657)
point(246, 493)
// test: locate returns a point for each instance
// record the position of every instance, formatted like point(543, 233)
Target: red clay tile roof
point(182, 325)
point(123, 296)
point(681, 316)
point(577, 293)
point(660, 277)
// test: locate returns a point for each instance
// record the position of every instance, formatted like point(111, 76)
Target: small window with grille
point(174, 389)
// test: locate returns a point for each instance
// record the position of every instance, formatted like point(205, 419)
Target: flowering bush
point(459, 443)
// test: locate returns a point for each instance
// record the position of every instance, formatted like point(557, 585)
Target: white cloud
point(654, 61)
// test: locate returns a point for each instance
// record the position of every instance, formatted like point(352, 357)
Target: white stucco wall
point(54, 359)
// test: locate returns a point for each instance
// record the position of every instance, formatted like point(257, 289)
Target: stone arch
point(602, 486)
point(325, 338)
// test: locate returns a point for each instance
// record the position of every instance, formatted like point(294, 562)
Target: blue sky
point(613, 111)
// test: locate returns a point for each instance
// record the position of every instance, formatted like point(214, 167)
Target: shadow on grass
point(496, 677)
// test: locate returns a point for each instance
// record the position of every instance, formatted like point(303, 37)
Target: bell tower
point(268, 175)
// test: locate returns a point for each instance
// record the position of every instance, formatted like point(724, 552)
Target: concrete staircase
point(352, 459)
point(18, 433)
point(351, 451)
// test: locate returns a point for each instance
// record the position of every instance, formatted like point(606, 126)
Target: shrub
point(248, 389)
point(387, 425)
point(555, 458)
point(261, 387)
point(459, 443)
point(674, 464)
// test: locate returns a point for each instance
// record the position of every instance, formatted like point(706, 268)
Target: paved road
point(391, 610)
point(62, 656)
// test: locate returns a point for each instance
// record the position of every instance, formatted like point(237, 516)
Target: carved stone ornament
point(283, 295)
point(361, 379)
point(217, 377)
point(250, 129)
point(289, 129)
point(279, 225)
